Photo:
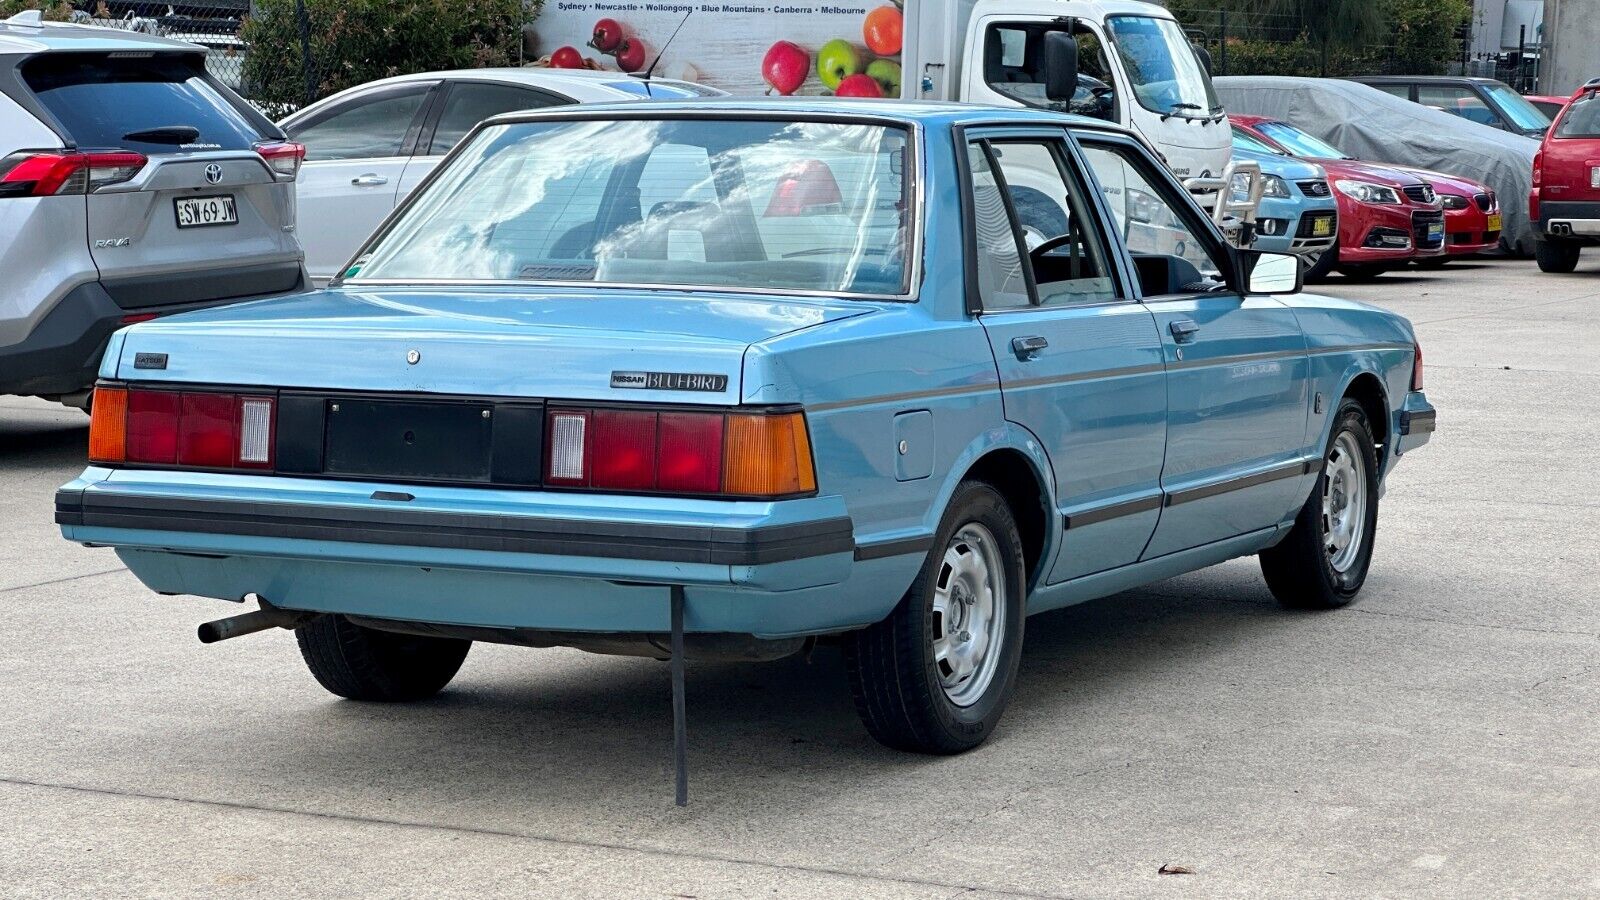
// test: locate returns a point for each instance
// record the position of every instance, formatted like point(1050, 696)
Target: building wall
point(1572, 56)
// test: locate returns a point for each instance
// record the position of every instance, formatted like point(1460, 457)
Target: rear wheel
point(360, 663)
point(936, 675)
point(1323, 561)
point(1557, 256)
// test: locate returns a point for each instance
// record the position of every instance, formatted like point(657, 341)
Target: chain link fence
point(213, 24)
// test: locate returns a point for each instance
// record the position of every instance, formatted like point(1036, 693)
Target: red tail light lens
point(1538, 169)
point(203, 430)
point(710, 453)
point(1416, 369)
point(283, 158)
point(32, 174)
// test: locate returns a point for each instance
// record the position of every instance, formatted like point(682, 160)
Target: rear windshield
point(756, 204)
point(1582, 119)
point(101, 100)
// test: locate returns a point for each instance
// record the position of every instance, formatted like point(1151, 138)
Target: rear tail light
point(34, 174)
point(1416, 369)
point(283, 158)
point(711, 453)
point(202, 430)
point(1538, 169)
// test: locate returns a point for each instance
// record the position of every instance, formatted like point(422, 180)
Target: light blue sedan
point(1298, 212)
point(715, 380)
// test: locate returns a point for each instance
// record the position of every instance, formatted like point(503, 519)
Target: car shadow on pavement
point(586, 732)
point(34, 440)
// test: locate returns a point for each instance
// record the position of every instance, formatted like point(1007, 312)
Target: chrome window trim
point(915, 165)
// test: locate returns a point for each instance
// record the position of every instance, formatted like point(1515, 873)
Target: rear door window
point(102, 100)
point(469, 103)
point(369, 127)
point(1459, 101)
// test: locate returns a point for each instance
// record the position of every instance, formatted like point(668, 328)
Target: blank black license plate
point(428, 441)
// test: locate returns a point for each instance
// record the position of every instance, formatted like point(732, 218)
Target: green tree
point(355, 41)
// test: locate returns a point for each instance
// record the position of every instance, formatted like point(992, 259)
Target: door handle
point(1183, 330)
point(1027, 348)
point(368, 180)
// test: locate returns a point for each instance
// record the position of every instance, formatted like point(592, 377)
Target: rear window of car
point(102, 99)
point(1582, 119)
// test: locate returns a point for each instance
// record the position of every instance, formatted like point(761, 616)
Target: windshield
point(748, 204)
point(1582, 119)
point(1244, 140)
point(1298, 142)
point(1516, 107)
point(1165, 73)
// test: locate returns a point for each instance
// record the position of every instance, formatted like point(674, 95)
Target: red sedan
point(1387, 216)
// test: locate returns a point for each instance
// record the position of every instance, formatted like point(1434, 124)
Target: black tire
point(360, 663)
point(1317, 272)
point(1555, 256)
point(895, 676)
point(1362, 273)
point(1300, 570)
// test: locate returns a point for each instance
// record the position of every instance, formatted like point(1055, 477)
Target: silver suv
point(132, 185)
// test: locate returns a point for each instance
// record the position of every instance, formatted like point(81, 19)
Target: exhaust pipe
point(268, 616)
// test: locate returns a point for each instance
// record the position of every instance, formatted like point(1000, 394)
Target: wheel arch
point(1366, 388)
point(1014, 463)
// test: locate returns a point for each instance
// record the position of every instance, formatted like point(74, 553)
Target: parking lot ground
point(1438, 738)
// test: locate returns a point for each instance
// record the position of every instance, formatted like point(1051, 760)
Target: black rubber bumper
point(711, 545)
point(62, 355)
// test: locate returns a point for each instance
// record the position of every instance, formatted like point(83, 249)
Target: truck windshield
point(1165, 73)
point(754, 204)
point(1299, 143)
point(1522, 114)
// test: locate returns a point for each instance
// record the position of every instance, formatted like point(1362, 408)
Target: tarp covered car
point(1370, 124)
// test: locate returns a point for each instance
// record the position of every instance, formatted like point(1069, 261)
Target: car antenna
point(654, 62)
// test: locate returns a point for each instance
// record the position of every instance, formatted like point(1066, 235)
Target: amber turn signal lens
point(108, 425)
point(767, 456)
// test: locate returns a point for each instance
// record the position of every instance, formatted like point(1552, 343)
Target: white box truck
point(1131, 62)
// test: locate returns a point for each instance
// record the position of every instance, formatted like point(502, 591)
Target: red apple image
point(566, 58)
point(858, 86)
point(607, 35)
point(785, 67)
point(630, 56)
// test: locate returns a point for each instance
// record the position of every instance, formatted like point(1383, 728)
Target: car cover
point(1372, 125)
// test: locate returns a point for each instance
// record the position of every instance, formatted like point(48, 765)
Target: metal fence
point(1278, 44)
point(213, 24)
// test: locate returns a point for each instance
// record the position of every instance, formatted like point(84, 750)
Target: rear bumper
point(1577, 219)
point(1417, 420)
point(62, 353)
point(488, 557)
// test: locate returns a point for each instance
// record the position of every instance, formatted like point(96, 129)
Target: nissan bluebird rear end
point(512, 414)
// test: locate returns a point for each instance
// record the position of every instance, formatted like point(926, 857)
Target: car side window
point(998, 266)
point(1066, 251)
point(1163, 235)
point(1457, 101)
point(363, 128)
point(1403, 91)
point(469, 103)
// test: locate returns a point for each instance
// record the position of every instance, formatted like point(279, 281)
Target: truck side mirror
point(1060, 65)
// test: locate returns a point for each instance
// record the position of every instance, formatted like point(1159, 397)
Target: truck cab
point(1134, 67)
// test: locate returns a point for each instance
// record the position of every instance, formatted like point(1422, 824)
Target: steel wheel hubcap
point(969, 613)
point(1344, 503)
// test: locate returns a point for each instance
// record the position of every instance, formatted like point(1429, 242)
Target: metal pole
point(1222, 42)
point(303, 22)
point(1522, 58)
point(680, 725)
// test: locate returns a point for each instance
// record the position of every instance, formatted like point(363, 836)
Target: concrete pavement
point(1436, 739)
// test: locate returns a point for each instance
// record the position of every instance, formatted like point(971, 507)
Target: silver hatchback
point(132, 184)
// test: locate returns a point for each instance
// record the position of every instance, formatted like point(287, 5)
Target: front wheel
point(1557, 257)
point(360, 663)
point(1320, 263)
point(1323, 561)
point(936, 675)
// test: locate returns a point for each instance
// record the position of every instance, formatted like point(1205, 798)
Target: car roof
point(910, 112)
point(23, 34)
point(555, 79)
point(1422, 79)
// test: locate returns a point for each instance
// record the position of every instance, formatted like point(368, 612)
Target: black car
point(1481, 100)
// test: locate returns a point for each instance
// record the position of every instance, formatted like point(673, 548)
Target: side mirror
point(1273, 273)
point(1204, 56)
point(1060, 65)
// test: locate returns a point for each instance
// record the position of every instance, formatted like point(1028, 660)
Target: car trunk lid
point(492, 341)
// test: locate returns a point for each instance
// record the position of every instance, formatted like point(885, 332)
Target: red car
point(1472, 218)
point(1387, 216)
point(1565, 203)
